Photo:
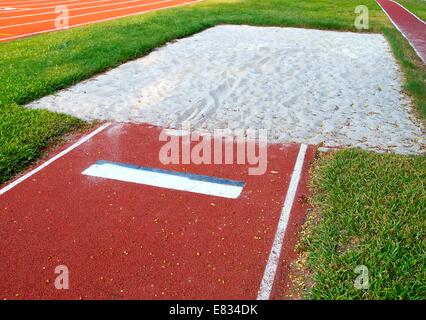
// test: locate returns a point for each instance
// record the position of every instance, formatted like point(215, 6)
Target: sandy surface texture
point(339, 88)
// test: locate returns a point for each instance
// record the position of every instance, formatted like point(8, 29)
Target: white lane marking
point(96, 21)
point(49, 12)
point(59, 155)
point(403, 34)
point(19, 10)
point(166, 179)
point(274, 255)
point(418, 18)
point(87, 14)
point(25, 1)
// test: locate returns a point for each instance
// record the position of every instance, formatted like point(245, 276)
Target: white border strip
point(23, 36)
point(418, 18)
point(400, 31)
point(274, 256)
point(180, 181)
point(59, 155)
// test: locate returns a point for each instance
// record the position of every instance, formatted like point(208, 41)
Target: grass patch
point(25, 133)
point(369, 209)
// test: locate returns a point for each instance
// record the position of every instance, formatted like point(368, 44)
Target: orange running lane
point(42, 18)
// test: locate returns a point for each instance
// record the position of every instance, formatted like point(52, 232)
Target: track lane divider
point(274, 256)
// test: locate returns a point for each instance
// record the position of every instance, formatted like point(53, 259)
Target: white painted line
point(403, 34)
point(274, 255)
point(95, 21)
point(166, 179)
point(19, 10)
point(418, 18)
point(59, 155)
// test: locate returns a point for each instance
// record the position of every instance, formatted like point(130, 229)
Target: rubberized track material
point(125, 240)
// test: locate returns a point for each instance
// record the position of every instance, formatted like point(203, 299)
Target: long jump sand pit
point(312, 86)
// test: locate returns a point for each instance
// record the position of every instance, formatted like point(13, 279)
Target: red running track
point(125, 240)
point(19, 19)
point(411, 27)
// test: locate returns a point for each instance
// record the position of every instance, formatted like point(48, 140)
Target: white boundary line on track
point(407, 11)
point(96, 21)
point(14, 10)
point(274, 256)
point(75, 9)
point(59, 155)
point(86, 14)
point(400, 31)
point(160, 178)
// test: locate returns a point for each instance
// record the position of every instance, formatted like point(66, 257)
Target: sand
point(311, 86)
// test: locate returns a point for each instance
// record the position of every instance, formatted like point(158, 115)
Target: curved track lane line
point(409, 25)
point(274, 256)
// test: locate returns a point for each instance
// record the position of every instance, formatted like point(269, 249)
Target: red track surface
point(412, 27)
point(131, 241)
point(29, 17)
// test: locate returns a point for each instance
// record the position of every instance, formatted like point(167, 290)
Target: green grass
point(418, 7)
point(372, 210)
point(377, 200)
point(24, 134)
